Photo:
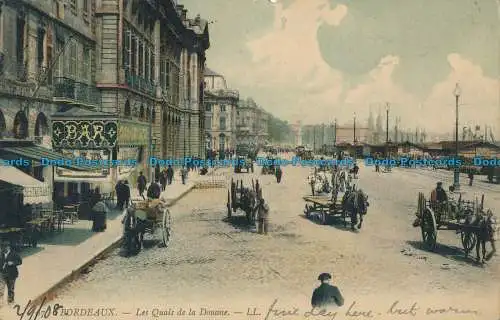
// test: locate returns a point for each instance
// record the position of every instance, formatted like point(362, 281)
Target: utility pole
point(335, 133)
point(354, 140)
point(314, 138)
point(456, 175)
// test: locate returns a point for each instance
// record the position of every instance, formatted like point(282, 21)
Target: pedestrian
point(154, 190)
point(119, 195)
point(141, 184)
point(184, 174)
point(326, 294)
point(99, 212)
point(126, 193)
point(377, 168)
point(163, 180)
point(279, 174)
point(170, 174)
point(131, 243)
point(9, 260)
point(471, 177)
point(263, 216)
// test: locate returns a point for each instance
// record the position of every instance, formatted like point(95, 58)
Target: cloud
point(380, 88)
point(479, 100)
point(288, 56)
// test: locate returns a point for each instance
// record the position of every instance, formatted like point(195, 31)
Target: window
point(140, 71)
point(40, 47)
point(59, 66)
point(86, 64)
point(20, 42)
point(163, 74)
point(222, 142)
point(151, 66)
point(208, 108)
point(86, 9)
point(73, 6)
point(60, 10)
point(133, 54)
point(72, 63)
point(147, 69)
point(48, 54)
point(222, 108)
point(208, 122)
point(222, 123)
point(126, 48)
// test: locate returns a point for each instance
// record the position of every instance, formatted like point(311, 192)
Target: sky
point(317, 60)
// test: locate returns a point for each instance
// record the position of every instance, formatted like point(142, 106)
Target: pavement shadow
point(238, 222)
point(114, 213)
point(335, 222)
point(29, 251)
point(449, 252)
point(68, 237)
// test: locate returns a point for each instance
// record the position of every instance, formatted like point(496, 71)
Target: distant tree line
point(279, 130)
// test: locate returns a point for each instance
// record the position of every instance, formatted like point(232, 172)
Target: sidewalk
point(62, 257)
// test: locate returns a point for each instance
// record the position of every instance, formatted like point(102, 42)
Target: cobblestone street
point(218, 266)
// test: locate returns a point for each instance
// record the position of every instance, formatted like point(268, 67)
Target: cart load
point(155, 216)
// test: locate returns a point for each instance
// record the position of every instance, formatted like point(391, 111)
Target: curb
point(51, 293)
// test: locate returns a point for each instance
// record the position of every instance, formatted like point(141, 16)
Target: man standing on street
point(141, 184)
point(9, 260)
point(263, 216)
point(326, 294)
point(126, 193)
point(154, 190)
point(170, 174)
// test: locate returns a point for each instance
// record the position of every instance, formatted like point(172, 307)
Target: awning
point(34, 191)
point(37, 153)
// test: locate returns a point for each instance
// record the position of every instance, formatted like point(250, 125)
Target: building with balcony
point(220, 113)
point(251, 123)
point(46, 63)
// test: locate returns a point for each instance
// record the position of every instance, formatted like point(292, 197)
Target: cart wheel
point(468, 241)
point(429, 229)
point(166, 227)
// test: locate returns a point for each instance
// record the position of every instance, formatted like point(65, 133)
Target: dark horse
point(248, 204)
point(356, 204)
point(485, 232)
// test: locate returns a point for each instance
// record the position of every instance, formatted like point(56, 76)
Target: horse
point(355, 203)
point(249, 203)
point(485, 232)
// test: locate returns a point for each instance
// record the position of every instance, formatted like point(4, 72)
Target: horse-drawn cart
point(325, 207)
point(154, 217)
point(245, 199)
point(457, 216)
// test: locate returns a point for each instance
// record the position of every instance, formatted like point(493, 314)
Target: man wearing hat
point(9, 260)
point(131, 243)
point(439, 194)
point(262, 215)
point(326, 294)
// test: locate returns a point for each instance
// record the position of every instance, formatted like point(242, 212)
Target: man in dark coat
point(438, 194)
point(279, 174)
point(170, 174)
point(131, 244)
point(9, 260)
point(163, 179)
point(126, 193)
point(141, 184)
point(326, 294)
point(119, 195)
point(154, 190)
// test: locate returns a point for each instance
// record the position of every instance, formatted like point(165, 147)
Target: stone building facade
point(103, 79)
point(251, 124)
point(220, 113)
point(46, 62)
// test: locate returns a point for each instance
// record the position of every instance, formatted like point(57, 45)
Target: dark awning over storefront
point(36, 153)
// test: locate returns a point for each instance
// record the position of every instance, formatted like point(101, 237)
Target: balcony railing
point(139, 83)
point(75, 92)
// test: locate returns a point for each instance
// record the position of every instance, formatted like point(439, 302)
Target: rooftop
point(210, 72)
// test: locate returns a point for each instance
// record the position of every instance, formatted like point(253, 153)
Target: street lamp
point(335, 133)
point(354, 131)
point(456, 176)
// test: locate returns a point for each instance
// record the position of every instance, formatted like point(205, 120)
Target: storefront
point(112, 147)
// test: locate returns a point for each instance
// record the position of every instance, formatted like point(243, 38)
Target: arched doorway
point(41, 125)
point(20, 129)
point(3, 125)
point(127, 109)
